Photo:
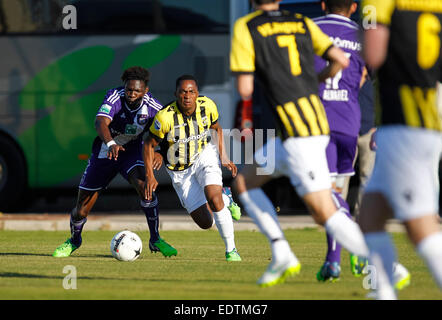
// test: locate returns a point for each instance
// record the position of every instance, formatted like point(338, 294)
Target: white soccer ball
point(126, 246)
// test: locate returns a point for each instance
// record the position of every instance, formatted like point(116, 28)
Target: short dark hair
point(183, 78)
point(338, 5)
point(136, 73)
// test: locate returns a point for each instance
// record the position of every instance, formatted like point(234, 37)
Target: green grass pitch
point(199, 272)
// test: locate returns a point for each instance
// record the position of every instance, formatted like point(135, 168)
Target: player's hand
point(112, 152)
point(150, 185)
point(157, 161)
point(231, 167)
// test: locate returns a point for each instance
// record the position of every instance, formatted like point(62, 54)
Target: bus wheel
point(13, 177)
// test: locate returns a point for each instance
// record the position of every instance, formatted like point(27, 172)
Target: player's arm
point(375, 40)
point(323, 47)
point(156, 134)
point(244, 85)
point(242, 59)
point(219, 139)
point(337, 61)
point(150, 182)
point(375, 45)
point(102, 128)
point(157, 158)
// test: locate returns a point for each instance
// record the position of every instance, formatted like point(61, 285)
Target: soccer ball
point(126, 246)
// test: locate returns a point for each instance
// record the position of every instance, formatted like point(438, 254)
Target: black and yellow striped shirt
point(408, 77)
point(279, 48)
point(182, 138)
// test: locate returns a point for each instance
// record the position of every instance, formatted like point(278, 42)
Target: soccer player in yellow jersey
point(404, 46)
point(278, 47)
point(191, 142)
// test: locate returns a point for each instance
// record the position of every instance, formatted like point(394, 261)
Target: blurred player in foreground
point(120, 123)
point(404, 45)
point(339, 96)
point(279, 47)
point(191, 141)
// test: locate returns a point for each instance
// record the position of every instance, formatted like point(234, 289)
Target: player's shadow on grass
point(106, 256)
point(25, 254)
point(41, 276)
point(27, 275)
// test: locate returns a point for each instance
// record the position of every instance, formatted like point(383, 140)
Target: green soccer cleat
point(357, 264)
point(276, 273)
point(233, 207)
point(162, 246)
point(233, 256)
point(65, 250)
point(329, 271)
point(235, 211)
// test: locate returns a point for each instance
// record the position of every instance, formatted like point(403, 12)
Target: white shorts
point(189, 184)
point(303, 160)
point(406, 170)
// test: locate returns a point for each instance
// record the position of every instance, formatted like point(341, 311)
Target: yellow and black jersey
point(279, 48)
point(182, 138)
point(408, 78)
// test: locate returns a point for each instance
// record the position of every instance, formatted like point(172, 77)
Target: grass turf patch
point(198, 272)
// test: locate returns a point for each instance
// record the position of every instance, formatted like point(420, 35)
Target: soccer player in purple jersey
point(123, 118)
point(339, 96)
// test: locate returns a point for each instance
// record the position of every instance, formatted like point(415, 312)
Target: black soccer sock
point(150, 209)
point(76, 230)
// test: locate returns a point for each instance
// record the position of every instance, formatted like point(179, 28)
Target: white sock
point(347, 233)
point(224, 224)
point(382, 257)
point(261, 210)
point(430, 249)
point(281, 250)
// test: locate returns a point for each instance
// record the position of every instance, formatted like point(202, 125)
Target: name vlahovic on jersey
point(279, 48)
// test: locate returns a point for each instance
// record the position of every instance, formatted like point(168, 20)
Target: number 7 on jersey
point(289, 41)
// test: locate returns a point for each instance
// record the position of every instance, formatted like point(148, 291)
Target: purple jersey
point(340, 94)
point(127, 125)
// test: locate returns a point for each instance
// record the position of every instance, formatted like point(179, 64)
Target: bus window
point(116, 16)
point(52, 81)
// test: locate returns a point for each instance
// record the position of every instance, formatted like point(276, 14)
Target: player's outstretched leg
point(224, 224)
point(331, 269)
point(430, 249)
point(233, 207)
point(284, 262)
point(156, 243)
point(223, 219)
point(74, 242)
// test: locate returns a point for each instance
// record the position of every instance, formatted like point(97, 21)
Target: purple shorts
point(100, 172)
point(341, 153)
